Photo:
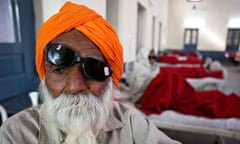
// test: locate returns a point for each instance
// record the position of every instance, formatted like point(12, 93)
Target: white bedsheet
point(178, 118)
point(162, 64)
point(198, 83)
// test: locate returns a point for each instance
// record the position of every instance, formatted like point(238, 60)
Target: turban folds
point(92, 25)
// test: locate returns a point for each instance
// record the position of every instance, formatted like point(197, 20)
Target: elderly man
point(78, 59)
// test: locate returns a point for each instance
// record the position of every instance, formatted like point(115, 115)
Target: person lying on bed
point(79, 59)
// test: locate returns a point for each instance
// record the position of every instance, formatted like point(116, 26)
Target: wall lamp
point(195, 0)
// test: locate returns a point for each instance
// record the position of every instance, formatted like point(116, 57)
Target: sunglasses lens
point(60, 55)
point(96, 70)
point(151, 57)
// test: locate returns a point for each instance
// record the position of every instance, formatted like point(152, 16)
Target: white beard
point(80, 117)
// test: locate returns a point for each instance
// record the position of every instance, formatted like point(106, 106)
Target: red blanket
point(176, 60)
point(182, 53)
point(171, 91)
point(192, 72)
point(232, 55)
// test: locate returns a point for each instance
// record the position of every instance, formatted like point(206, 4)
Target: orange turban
point(92, 25)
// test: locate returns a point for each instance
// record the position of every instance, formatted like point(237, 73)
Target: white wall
point(161, 12)
point(128, 29)
point(46, 8)
point(216, 14)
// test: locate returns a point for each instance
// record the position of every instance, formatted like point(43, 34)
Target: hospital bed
point(233, 55)
point(180, 57)
point(199, 77)
point(180, 61)
point(174, 121)
point(220, 128)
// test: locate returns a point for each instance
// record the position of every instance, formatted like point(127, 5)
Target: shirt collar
point(112, 123)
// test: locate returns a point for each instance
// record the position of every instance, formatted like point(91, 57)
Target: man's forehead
point(78, 42)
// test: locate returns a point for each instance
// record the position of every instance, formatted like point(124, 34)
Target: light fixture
point(234, 23)
point(194, 0)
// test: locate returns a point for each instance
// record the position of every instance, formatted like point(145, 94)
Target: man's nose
point(76, 81)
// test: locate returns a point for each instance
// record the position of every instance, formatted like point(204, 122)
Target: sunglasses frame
point(50, 56)
point(152, 57)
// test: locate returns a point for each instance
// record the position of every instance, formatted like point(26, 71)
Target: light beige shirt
point(126, 125)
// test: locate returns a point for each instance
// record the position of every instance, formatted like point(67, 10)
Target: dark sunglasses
point(62, 56)
point(152, 57)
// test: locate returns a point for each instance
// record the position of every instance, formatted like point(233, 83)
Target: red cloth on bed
point(183, 53)
point(231, 54)
point(171, 91)
point(177, 57)
point(192, 72)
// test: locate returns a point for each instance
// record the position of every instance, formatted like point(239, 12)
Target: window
point(9, 25)
point(17, 39)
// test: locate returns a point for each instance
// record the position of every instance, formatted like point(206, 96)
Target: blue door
point(233, 40)
point(190, 39)
point(17, 42)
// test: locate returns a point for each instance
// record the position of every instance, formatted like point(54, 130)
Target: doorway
point(190, 39)
point(17, 48)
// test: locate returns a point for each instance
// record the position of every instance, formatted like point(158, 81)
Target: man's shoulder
point(22, 127)
point(123, 109)
point(26, 114)
point(27, 117)
point(132, 119)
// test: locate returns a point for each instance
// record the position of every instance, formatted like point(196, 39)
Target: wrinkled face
point(72, 80)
